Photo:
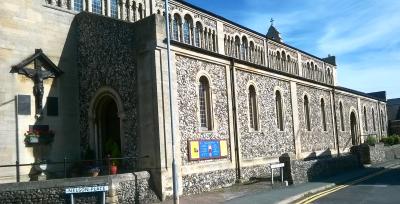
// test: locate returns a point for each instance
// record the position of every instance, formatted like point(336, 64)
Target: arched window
point(114, 8)
point(140, 11)
point(176, 26)
point(96, 6)
point(187, 27)
point(323, 114)
point(382, 121)
point(373, 119)
point(307, 113)
point(251, 52)
point(341, 116)
point(237, 47)
point(205, 104)
point(279, 110)
point(78, 5)
point(365, 119)
point(198, 33)
point(244, 49)
point(253, 108)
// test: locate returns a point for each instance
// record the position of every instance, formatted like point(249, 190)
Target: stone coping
point(79, 181)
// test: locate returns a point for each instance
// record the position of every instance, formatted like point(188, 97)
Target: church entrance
point(353, 128)
point(107, 128)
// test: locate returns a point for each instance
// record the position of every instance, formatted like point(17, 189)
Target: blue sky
point(364, 35)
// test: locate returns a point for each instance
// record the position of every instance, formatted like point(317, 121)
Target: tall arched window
point(341, 116)
point(140, 11)
point(237, 47)
point(96, 6)
point(373, 119)
point(253, 108)
point(382, 121)
point(251, 51)
point(114, 8)
point(78, 5)
point(205, 104)
point(176, 26)
point(307, 113)
point(323, 114)
point(244, 49)
point(365, 119)
point(187, 26)
point(279, 110)
point(198, 33)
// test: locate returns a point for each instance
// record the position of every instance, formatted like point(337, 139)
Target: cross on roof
point(272, 21)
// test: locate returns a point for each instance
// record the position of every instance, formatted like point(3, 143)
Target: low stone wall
point(123, 188)
point(377, 153)
point(301, 171)
point(392, 152)
point(197, 183)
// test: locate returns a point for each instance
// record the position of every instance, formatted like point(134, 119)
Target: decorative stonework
point(269, 141)
point(275, 46)
point(317, 139)
point(106, 60)
point(187, 71)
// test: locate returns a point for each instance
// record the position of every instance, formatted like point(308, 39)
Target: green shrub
point(371, 140)
point(391, 140)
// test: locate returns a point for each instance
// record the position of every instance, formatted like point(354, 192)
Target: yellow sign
point(224, 148)
point(194, 150)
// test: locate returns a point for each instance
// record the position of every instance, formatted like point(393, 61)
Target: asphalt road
point(384, 188)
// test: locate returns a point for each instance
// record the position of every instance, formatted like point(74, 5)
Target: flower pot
point(113, 169)
point(33, 140)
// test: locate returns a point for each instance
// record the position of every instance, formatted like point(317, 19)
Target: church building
point(79, 76)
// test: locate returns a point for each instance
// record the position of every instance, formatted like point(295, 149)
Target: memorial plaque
point(24, 104)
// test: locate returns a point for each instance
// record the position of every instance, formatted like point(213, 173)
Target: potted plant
point(89, 157)
point(113, 151)
point(39, 137)
point(113, 168)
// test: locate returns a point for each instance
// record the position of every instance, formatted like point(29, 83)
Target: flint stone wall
point(305, 171)
point(187, 72)
point(378, 153)
point(269, 141)
point(107, 59)
point(349, 104)
point(201, 182)
point(317, 139)
point(129, 188)
point(373, 126)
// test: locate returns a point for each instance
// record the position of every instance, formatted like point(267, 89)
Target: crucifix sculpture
point(43, 68)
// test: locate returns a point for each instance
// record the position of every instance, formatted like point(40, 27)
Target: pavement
point(261, 191)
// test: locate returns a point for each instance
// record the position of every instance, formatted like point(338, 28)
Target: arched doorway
point(106, 125)
point(353, 128)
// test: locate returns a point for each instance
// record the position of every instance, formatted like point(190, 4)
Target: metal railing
point(97, 163)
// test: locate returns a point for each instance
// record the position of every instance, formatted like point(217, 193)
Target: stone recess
point(106, 59)
point(187, 70)
point(197, 183)
point(349, 104)
point(316, 139)
point(268, 141)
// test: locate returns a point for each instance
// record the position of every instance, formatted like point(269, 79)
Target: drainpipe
point(335, 121)
point(235, 129)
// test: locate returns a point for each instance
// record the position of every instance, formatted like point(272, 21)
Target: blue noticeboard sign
point(209, 149)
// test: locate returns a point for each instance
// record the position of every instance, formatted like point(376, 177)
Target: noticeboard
point(207, 149)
